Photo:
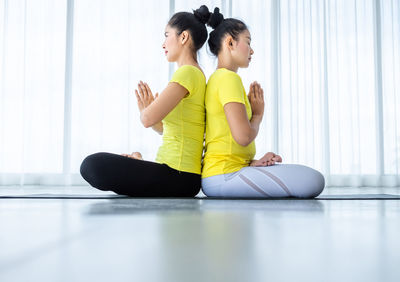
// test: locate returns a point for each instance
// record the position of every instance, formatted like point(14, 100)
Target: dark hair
point(194, 22)
point(222, 27)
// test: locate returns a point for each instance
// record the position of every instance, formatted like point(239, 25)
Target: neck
point(225, 61)
point(187, 58)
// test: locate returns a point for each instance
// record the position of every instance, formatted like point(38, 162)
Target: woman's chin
point(170, 59)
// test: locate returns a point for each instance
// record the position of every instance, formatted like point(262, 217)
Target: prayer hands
point(144, 96)
point(267, 160)
point(256, 99)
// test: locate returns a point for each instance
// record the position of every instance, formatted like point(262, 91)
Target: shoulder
point(227, 86)
point(190, 77)
point(224, 74)
point(224, 77)
point(188, 70)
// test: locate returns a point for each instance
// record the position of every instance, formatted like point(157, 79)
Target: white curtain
point(330, 70)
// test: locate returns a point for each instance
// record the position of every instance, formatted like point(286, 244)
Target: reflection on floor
point(198, 239)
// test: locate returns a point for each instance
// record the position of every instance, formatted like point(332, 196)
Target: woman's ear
point(230, 43)
point(184, 37)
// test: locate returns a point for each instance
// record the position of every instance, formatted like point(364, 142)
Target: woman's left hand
point(144, 96)
point(267, 160)
point(134, 155)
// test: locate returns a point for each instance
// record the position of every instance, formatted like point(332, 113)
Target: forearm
point(254, 127)
point(158, 127)
point(248, 133)
point(147, 118)
point(148, 121)
point(243, 131)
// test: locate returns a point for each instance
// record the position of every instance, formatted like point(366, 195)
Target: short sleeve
point(231, 89)
point(186, 77)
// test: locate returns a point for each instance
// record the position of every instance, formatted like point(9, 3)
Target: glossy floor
point(198, 239)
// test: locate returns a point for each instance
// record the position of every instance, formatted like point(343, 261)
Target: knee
point(86, 167)
point(90, 169)
point(313, 184)
point(317, 184)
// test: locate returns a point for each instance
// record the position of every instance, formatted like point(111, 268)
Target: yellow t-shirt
point(222, 153)
point(183, 127)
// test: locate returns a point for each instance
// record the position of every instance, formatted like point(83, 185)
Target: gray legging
point(279, 180)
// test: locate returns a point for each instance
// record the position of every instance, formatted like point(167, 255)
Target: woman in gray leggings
point(232, 123)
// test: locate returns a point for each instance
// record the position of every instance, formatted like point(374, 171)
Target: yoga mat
point(110, 196)
point(323, 197)
point(360, 197)
point(62, 196)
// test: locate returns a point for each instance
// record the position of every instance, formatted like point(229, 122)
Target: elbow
point(146, 121)
point(243, 140)
point(245, 143)
point(158, 130)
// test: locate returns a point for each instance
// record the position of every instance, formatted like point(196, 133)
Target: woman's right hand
point(256, 99)
point(134, 155)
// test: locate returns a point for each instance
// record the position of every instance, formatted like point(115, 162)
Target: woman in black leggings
point(138, 178)
point(178, 113)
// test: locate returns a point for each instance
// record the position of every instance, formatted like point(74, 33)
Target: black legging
point(137, 178)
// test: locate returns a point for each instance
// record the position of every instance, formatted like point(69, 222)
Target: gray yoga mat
point(111, 196)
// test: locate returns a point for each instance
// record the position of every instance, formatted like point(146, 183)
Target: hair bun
point(202, 14)
point(215, 19)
